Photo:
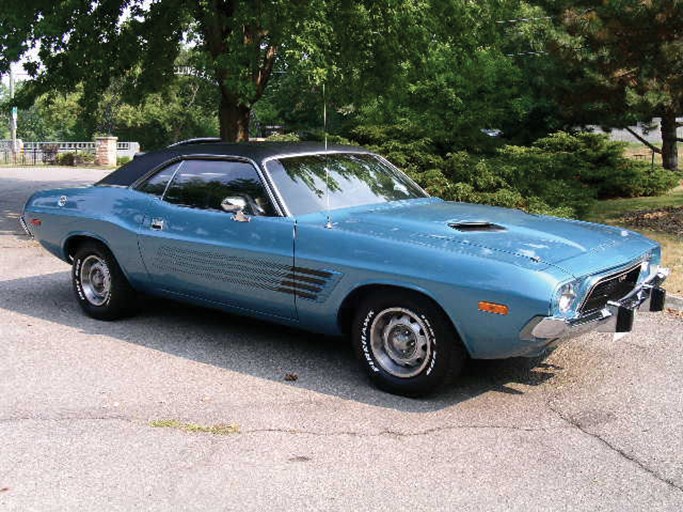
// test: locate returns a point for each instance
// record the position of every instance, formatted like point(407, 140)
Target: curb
point(674, 302)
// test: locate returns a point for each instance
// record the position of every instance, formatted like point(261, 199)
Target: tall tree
point(433, 69)
point(623, 63)
point(236, 44)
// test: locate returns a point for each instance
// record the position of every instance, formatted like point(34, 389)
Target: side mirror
point(233, 204)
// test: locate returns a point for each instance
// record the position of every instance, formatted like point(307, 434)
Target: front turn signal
point(492, 307)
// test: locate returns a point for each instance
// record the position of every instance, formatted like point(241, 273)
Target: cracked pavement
point(597, 425)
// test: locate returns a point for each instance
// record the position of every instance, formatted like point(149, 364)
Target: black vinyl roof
point(257, 151)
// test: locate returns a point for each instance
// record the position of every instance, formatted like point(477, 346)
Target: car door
point(213, 234)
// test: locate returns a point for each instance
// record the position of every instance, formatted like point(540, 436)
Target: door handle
point(157, 224)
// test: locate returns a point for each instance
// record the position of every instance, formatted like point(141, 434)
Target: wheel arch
point(357, 295)
point(74, 240)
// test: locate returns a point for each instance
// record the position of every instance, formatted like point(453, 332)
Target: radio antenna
point(328, 224)
point(325, 116)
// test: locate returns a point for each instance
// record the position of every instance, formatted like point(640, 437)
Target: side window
point(219, 185)
point(157, 183)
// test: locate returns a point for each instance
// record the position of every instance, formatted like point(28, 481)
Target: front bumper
point(617, 316)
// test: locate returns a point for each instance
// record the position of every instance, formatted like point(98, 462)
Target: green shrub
point(658, 181)
point(67, 158)
point(434, 182)
point(562, 174)
point(84, 159)
point(600, 163)
point(550, 177)
point(73, 159)
point(402, 145)
point(284, 137)
point(122, 160)
point(437, 184)
point(319, 136)
point(629, 179)
point(592, 148)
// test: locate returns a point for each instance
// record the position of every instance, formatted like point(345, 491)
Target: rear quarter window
point(156, 184)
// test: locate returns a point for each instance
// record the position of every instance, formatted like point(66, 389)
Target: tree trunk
point(233, 118)
point(669, 143)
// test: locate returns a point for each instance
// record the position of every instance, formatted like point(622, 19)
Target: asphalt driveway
point(189, 409)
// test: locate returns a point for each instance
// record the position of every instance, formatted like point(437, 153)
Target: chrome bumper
point(617, 316)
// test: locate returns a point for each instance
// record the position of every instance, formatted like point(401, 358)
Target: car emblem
point(62, 201)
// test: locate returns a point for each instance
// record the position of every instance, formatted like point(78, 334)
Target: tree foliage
point(136, 48)
point(184, 108)
point(235, 45)
point(445, 73)
point(464, 95)
point(622, 62)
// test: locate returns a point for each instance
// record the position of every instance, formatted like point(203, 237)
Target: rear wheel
point(101, 288)
point(406, 344)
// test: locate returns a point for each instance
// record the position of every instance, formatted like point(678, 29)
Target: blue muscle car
point(338, 241)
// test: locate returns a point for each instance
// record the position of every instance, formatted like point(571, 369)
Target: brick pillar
point(105, 151)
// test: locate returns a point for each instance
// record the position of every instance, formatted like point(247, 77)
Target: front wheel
point(101, 288)
point(406, 344)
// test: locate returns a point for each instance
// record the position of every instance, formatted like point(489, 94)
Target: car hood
point(541, 239)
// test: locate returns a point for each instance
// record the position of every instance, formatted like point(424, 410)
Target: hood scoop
point(475, 226)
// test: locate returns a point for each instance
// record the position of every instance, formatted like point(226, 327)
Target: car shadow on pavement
point(260, 349)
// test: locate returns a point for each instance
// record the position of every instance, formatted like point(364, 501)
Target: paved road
point(598, 425)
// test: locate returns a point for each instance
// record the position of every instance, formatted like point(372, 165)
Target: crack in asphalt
point(615, 449)
point(395, 433)
point(445, 428)
point(17, 419)
point(352, 433)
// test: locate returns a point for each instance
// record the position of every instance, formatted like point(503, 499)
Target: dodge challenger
point(337, 240)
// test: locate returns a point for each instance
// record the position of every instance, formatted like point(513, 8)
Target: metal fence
point(46, 153)
point(32, 157)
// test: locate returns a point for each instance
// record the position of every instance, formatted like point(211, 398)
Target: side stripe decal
point(302, 282)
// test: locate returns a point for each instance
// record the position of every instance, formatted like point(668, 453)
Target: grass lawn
point(609, 212)
point(639, 151)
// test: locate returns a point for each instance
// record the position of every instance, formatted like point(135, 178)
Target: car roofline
point(196, 140)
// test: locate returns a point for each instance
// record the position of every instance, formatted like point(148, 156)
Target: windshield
point(308, 183)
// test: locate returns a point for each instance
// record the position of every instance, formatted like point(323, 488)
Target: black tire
point(396, 336)
point(101, 288)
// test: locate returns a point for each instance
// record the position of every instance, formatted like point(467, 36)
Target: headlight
point(566, 297)
point(650, 265)
point(647, 268)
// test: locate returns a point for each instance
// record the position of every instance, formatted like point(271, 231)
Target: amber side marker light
point(36, 222)
point(492, 307)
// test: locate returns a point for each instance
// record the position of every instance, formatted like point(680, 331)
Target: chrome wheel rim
point(400, 342)
point(95, 280)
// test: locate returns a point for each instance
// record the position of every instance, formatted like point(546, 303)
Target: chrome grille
point(612, 287)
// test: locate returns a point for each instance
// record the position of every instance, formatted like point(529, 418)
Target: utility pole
point(13, 118)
